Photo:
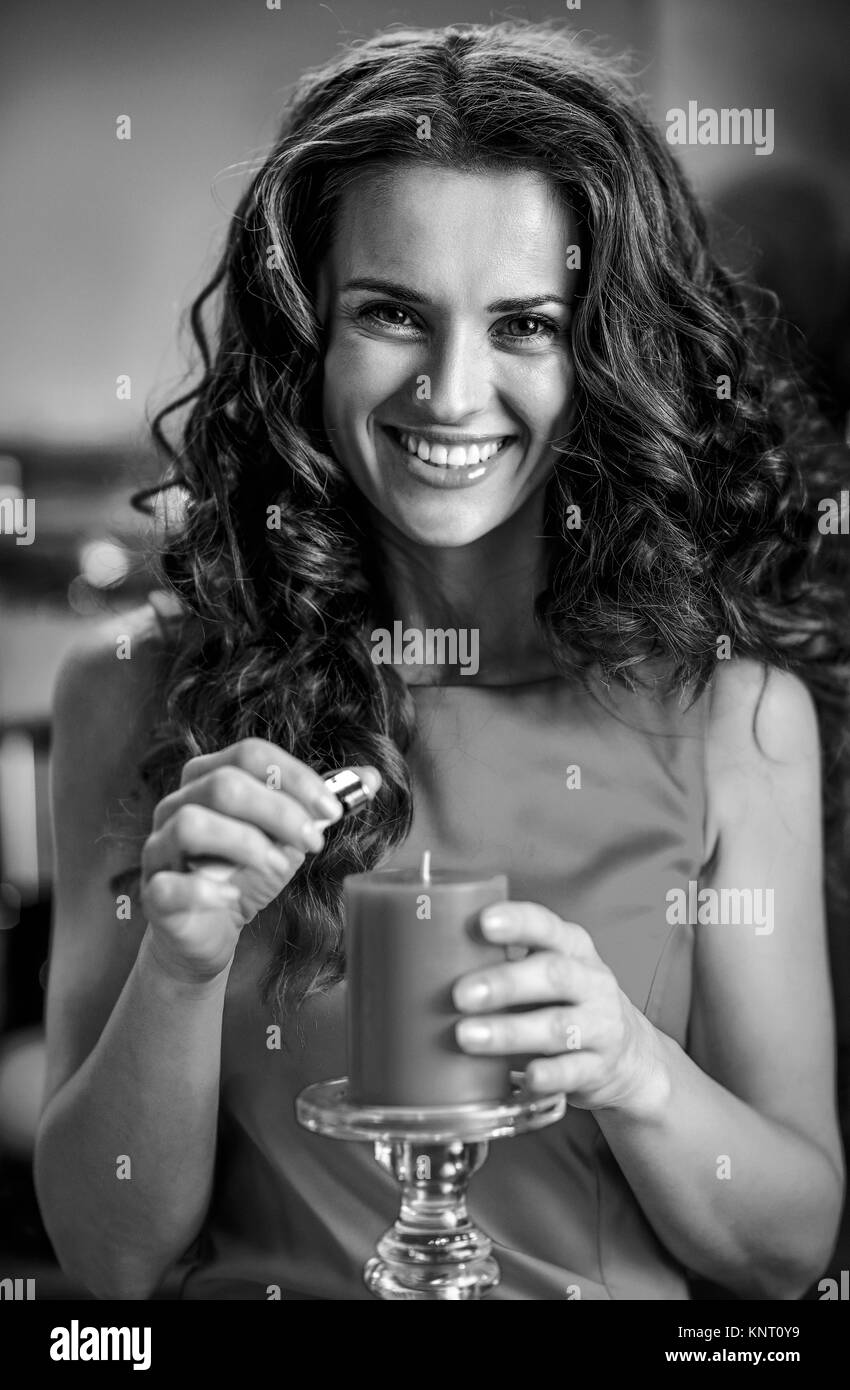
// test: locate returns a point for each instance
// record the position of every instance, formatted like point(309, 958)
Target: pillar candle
point(409, 936)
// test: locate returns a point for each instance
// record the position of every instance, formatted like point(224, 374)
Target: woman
point(468, 374)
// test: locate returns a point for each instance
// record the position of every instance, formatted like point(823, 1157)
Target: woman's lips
point(447, 465)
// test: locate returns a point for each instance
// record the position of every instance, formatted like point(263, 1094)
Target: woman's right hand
point(225, 809)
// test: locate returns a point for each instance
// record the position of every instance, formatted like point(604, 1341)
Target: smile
point(451, 455)
point(448, 463)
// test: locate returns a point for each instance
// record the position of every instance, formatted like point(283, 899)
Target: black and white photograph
point(425, 666)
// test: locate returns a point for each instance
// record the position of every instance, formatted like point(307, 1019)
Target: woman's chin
point(440, 535)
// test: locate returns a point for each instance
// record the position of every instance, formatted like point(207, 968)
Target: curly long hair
point(698, 511)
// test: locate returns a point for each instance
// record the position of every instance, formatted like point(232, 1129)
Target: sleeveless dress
point(301, 1213)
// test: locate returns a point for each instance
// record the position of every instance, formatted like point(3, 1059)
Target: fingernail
point(539, 1075)
point(495, 922)
point(279, 862)
point(474, 1034)
point(470, 995)
point(313, 837)
point(328, 806)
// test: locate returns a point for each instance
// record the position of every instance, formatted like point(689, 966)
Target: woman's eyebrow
point(414, 296)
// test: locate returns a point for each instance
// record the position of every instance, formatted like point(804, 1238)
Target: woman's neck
point(483, 593)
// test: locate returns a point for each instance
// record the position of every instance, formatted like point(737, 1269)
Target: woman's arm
point(734, 1151)
point(126, 1141)
point(126, 1147)
point(758, 1088)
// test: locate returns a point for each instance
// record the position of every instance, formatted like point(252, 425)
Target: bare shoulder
point(761, 712)
point(762, 741)
point(122, 655)
point(107, 698)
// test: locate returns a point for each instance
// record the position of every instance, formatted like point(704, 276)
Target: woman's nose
point(460, 373)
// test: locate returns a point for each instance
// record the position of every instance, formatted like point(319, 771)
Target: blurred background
point(106, 240)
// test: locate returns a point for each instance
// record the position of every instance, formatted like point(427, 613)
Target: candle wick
point(426, 866)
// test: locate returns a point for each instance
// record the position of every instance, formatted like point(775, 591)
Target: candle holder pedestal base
point(433, 1250)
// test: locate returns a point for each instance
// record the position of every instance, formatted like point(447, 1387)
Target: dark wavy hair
point(698, 515)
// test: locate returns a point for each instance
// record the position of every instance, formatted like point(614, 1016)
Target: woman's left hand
point(587, 1039)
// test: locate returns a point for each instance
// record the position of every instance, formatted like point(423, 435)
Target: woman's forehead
point(426, 225)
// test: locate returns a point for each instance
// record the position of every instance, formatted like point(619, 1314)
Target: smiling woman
point(494, 374)
point(464, 379)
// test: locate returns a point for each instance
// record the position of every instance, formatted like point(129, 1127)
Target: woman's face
point(448, 370)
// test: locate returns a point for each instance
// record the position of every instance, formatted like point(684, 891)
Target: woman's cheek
point(542, 388)
point(343, 396)
point(552, 388)
point(359, 378)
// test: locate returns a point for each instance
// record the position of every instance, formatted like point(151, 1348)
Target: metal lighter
point(348, 789)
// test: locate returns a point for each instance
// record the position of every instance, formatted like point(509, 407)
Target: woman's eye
point(520, 330)
point(529, 328)
point(387, 315)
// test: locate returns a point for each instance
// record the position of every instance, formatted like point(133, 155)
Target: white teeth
point(457, 456)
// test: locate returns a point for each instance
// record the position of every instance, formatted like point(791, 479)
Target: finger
point(195, 830)
point(370, 777)
point(167, 893)
point(533, 925)
point(271, 765)
point(234, 792)
point(546, 1031)
point(542, 976)
point(219, 869)
point(222, 870)
point(571, 1071)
